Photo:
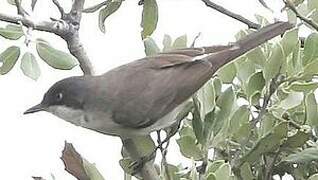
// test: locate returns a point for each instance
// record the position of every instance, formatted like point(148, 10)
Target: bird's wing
point(145, 90)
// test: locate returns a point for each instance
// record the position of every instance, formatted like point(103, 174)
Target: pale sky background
point(31, 145)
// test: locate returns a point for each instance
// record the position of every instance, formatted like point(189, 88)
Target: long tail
point(229, 53)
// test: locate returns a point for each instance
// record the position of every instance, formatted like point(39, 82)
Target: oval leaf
point(311, 48)
point(12, 32)
point(274, 63)
point(189, 148)
point(55, 58)
point(149, 18)
point(180, 42)
point(112, 7)
point(8, 58)
point(151, 48)
point(30, 66)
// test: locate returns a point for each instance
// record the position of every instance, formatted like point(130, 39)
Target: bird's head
point(64, 98)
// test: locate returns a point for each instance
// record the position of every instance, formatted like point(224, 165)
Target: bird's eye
point(59, 96)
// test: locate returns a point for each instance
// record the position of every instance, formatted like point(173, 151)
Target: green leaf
point(151, 47)
point(55, 58)
point(246, 172)
point(311, 109)
point(311, 68)
point(212, 167)
point(29, 66)
point(303, 86)
point(206, 97)
point(312, 4)
point(211, 176)
point(268, 143)
point(298, 139)
point(149, 18)
point(292, 100)
point(289, 41)
point(255, 83)
point(238, 119)
point(226, 103)
point(197, 122)
point(227, 73)
point(167, 43)
point(224, 172)
point(8, 58)
point(172, 171)
point(189, 148)
point(257, 56)
point(112, 7)
point(310, 49)
point(304, 156)
point(12, 32)
point(180, 42)
point(91, 171)
point(274, 63)
point(313, 177)
point(244, 68)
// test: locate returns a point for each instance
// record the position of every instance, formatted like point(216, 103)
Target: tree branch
point(292, 7)
point(47, 26)
point(59, 7)
point(238, 17)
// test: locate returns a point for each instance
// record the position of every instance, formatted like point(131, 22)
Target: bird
point(145, 95)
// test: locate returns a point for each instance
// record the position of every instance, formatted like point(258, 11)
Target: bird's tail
point(227, 54)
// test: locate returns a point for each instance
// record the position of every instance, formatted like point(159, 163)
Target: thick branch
point(238, 17)
point(47, 26)
point(292, 7)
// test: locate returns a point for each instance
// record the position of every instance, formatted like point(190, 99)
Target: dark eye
point(59, 96)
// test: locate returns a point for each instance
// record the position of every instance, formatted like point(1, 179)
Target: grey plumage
point(144, 95)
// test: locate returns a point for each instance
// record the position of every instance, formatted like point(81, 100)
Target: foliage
point(258, 117)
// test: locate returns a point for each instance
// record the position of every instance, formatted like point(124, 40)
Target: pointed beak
point(34, 109)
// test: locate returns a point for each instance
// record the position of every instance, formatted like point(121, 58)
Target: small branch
point(269, 169)
point(59, 7)
point(20, 10)
point(238, 17)
point(164, 151)
point(292, 7)
point(263, 3)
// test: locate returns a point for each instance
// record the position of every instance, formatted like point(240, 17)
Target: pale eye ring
point(59, 96)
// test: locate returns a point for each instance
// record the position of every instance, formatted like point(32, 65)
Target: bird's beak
point(34, 109)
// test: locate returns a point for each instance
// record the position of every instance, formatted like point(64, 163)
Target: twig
point(263, 3)
point(20, 10)
point(59, 7)
point(269, 169)
point(164, 151)
point(292, 7)
point(238, 17)
point(195, 40)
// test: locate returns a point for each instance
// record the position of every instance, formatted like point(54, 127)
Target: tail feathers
point(220, 58)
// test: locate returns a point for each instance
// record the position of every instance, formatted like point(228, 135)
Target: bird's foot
point(137, 165)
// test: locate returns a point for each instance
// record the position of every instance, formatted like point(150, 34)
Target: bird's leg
point(138, 164)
